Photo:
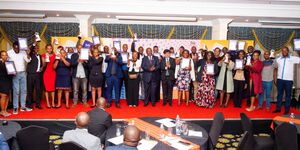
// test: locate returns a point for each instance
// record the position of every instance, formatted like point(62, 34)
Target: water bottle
point(162, 134)
point(132, 122)
point(177, 125)
point(292, 116)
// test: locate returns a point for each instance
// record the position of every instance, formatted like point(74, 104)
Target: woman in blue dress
point(63, 77)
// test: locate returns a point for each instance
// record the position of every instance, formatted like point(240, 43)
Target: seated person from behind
point(131, 139)
point(80, 135)
point(100, 120)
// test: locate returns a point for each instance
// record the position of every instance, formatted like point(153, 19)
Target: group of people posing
point(200, 76)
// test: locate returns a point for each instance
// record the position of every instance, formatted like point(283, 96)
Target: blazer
point(95, 66)
point(171, 70)
point(33, 64)
point(74, 64)
point(229, 77)
point(146, 65)
point(201, 63)
point(109, 65)
point(83, 138)
point(100, 121)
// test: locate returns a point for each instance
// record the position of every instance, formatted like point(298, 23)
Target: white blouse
point(137, 67)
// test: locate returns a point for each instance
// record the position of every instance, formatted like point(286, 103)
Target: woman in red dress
point(49, 76)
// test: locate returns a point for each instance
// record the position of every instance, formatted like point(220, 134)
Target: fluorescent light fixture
point(8, 15)
point(279, 21)
point(154, 18)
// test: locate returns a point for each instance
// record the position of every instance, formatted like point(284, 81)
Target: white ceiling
point(205, 10)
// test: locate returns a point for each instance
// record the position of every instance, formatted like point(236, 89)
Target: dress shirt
point(19, 59)
point(286, 67)
point(80, 71)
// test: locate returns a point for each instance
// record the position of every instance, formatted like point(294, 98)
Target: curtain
point(152, 31)
point(61, 29)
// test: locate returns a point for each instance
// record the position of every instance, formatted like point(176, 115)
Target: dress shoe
point(39, 107)
point(286, 112)
point(170, 104)
point(146, 104)
point(153, 104)
point(276, 111)
point(108, 105)
point(118, 105)
point(67, 107)
point(164, 104)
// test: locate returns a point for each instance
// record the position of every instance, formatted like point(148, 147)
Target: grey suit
point(83, 138)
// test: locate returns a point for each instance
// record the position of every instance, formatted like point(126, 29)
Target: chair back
point(71, 146)
point(33, 138)
point(286, 137)
point(244, 142)
point(216, 129)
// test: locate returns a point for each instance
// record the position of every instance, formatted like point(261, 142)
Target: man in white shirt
point(285, 77)
point(81, 135)
point(20, 58)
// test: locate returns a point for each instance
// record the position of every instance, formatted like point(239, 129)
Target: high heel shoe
point(93, 106)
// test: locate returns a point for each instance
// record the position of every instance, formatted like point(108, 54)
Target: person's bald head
point(101, 102)
point(131, 136)
point(82, 120)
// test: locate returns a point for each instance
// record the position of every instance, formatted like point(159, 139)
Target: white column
point(85, 25)
point(220, 28)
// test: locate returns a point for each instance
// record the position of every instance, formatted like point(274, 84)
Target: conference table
point(286, 118)
point(197, 140)
point(9, 131)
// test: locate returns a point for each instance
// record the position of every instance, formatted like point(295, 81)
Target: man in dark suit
point(167, 67)
point(150, 65)
point(113, 75)
point(100, 120)
point(34, 77)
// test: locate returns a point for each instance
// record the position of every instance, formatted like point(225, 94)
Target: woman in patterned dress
point(206, 89)
point(184, 77)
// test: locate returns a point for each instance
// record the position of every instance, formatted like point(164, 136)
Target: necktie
point(167, 72)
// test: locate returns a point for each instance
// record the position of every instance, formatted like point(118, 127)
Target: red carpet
point(185, 112)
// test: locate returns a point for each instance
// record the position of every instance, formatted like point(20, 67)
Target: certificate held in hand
point(23, 44)
point(84, 54)
point(10, 67)
point(210, 69)
point(96, 40)
point(124, 57)
point(239, 64)
point(185, 62)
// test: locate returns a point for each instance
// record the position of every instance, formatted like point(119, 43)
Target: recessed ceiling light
point(57, 15)
point(200, 18)
point(108, 16)
point(247, 20)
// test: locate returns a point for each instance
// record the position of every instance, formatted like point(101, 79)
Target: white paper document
point(23, 43)
point(195, 133)
point(96, 40)
point(241, 45)
point(166, 122)
point(117, 45)
point(175, 142)
point(185, 62)
point(239, 64)
point(297, 44)
point(210, 69)
point(146, 144)
point(84, 54)
point(232, 44)
point(10, 67)
point(116, 140)
point(124, 57)
point(172, 55)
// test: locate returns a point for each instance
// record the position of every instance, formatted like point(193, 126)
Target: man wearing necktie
point(150, 65)
point(167, 67)
point(113, 74)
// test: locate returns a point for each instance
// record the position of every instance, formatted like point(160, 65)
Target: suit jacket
point(201, 63)
point(33, 64)
point(171, 70)
point(83, 138)
point(109, 65)
point(95, 66)
point(146, 65)
point(121, 147)
point(74, 64)
point(100, 121)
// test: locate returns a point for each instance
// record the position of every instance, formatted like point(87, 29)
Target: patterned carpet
point(226, 141)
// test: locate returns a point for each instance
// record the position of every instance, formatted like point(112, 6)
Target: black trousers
point(167, 86)
point(125, 79)
point(238, 92)
point(34, 82)
point(150, 90)
point(133, 91)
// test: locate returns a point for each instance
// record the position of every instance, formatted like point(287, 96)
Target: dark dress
point(95, 66)
point(63, 75)
point(5, 80)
